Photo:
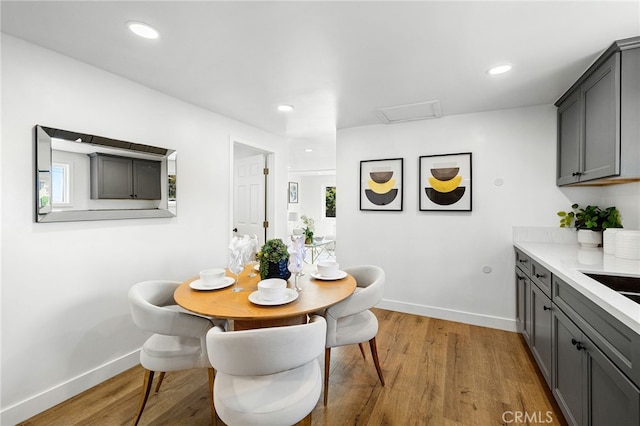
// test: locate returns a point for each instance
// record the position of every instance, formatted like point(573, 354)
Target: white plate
point(339, 276)
point(226, 282)
point(289, 296)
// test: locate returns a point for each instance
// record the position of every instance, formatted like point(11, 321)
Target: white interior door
point(249, 196)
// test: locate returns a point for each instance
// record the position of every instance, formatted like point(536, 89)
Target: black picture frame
point(445, 182)
point(381, 184)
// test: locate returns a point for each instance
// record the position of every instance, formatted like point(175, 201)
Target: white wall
point(65, 316)
point(434, 260)
point(311, 192)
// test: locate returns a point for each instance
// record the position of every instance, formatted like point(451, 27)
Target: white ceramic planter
point(589, 239)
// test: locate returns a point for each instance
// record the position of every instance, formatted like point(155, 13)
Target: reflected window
point(60, 184)
point(330, 201)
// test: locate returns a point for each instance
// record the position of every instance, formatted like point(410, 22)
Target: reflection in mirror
point(86, 177)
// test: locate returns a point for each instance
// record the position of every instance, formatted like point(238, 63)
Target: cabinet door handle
point(520, 278)
point(577, 344)
point(540, 275)
point(576, 174)
point(522, 260)
point(546, 308)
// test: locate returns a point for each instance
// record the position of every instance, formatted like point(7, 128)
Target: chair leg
point(212, 375)
point(146, 388)
point(362, 350)
point(376, 361)
point(305, 422)
point(160, 379)
point(327, 364)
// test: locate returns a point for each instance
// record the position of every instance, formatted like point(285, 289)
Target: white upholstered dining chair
point(179, 339)
point(267, 376)
point(351, 321)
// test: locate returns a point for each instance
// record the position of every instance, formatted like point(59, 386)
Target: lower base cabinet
point(589, 389)
point(595, 384)
point(523, 309)
point(540, 333)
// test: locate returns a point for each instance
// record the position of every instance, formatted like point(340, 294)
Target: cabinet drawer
point(617, 341)
point(523, 261)
point(541, 276)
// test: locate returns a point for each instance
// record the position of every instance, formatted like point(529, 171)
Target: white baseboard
point(51, 397)
point(506, 324)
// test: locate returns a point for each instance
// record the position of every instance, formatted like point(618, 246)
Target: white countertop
point(568, 262)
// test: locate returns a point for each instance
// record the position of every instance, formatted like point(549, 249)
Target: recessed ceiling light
point(500, 69)
point(143, 30)
point(285, 108)
point(308, 150)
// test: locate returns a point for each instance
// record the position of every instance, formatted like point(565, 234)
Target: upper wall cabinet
point(115, 177)
point(599, 120)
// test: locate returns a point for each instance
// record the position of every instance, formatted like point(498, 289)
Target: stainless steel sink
point(627, 286)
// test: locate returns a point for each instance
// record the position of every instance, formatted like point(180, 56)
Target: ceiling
point(337, 62)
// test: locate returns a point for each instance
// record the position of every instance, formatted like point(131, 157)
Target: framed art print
point(293, 192)
point(381, 185)
point(445, 182)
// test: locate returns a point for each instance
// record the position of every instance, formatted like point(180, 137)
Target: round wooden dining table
point(315, 296)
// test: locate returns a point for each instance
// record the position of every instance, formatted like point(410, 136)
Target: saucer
point(225, 282)
point(289, 296)
point(340, 275)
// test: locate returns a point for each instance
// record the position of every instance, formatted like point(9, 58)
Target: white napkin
point(241, 251)
point(296, 253)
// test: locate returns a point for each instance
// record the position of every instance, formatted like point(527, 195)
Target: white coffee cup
point(328, 269)
point(211, 277)
point(272, 288)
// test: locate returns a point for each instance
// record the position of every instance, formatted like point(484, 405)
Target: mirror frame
point(43, 159)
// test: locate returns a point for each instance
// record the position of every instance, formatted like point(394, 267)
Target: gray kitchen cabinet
point(616, 340)
point(598, 120)
point(588, 387)
point(589, 359)
point(147, 179)
point(569, 152)
point(533, 309)
point(569, 378)
point(115, 177)
point(540, 333)
point(523, 310)
point(523, 295)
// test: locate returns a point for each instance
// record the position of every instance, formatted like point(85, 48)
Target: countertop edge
point(562, 260)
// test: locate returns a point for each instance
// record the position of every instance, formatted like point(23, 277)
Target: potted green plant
point(274, 260)
point(590, 221)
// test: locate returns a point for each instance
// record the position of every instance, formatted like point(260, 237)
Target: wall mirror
point(87, 177)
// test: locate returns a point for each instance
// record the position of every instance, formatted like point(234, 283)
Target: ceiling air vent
point(419, 111)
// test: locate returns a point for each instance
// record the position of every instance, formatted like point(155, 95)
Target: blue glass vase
point(278, 270)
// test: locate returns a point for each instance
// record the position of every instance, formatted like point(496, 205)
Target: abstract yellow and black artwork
point(381, 184)
point(445, 182)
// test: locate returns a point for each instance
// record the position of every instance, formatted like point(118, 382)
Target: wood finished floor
point(437, 373)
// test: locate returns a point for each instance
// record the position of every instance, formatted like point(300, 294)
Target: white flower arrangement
point(308, 222)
